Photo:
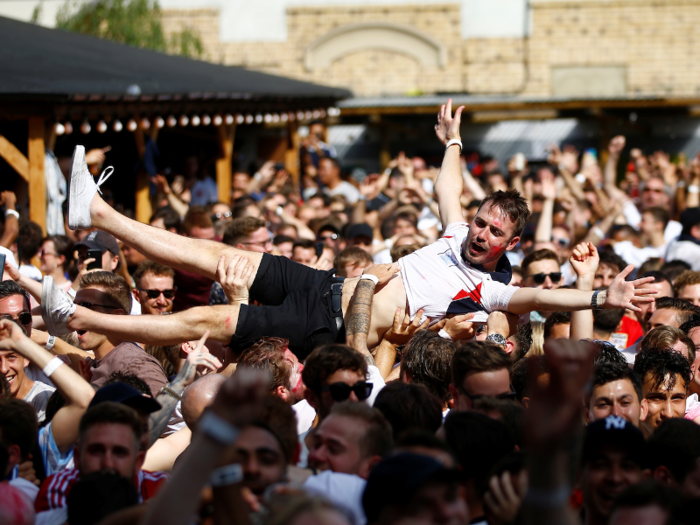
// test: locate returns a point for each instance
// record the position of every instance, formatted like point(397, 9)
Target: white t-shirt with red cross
point(438, 280)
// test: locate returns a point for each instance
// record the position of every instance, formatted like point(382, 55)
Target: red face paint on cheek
point(494, 251)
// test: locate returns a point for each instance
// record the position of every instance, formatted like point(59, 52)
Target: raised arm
point(8, 200)
point(449, 184)
point(620, 294)
point(615, 147)
point(584, 260)
point(77, 392)
point(543, 233)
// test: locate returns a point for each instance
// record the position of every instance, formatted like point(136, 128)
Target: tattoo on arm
point(360, 317)
point(157, 421)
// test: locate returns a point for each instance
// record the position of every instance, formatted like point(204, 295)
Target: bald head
point(198, 396)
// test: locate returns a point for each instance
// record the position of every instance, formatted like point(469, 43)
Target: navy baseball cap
point(360, 230)
point(396, 479)
point(126, 395)
point(99, 240)
point(614, 430)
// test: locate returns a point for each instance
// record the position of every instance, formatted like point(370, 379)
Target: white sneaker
point(82, 190)
point(56, 308)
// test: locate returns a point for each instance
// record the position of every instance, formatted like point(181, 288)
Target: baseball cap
point(614, 430)
point(360, 230)
point(126, 395)
point(99, 240)
point(396, 479)
point(689, 218)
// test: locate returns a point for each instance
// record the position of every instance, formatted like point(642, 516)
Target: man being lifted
point(462, 272)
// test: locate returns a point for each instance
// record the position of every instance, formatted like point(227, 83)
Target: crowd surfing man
point(462, 272)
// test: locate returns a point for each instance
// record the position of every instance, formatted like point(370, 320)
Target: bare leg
point(161, 330)
point(184, 253)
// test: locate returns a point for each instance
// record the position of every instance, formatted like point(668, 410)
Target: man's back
point(128, 357)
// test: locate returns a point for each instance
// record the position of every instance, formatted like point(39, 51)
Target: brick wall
point(655, 41)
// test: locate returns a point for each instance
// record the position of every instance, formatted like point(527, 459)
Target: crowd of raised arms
point(455, 344)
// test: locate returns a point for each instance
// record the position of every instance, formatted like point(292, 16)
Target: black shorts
point(296, 305)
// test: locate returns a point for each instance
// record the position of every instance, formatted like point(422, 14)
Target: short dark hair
point(675, 444)
point(196, 217)
point(555, 318)
point(131, 380)
point(29, 239)
point(478, 442)
point(525, 372)
point(113, 285)
point(512, 204)
point(326, 360)
point(241, 228)
point(691, 323)
point(607, 320)
point(171, 219)
point(409, 406)
point(524, 339)
point(278, 418)
point(659, 277)
point(673, 269)
point(110, 412)
point(665, 337)
point(378, 440)
point(606, 353)
point(18, 425)
point(610, 258)
point(660, 214)
point(95, 496)
point(427, 359)
point(662, 363)
point(508, 412)
point(536, 256)
point(303, 243)
point(9, 288)
point(608, 372)
point(148, 266)
point(647, 493)
point(684, 308)
point(478, 356)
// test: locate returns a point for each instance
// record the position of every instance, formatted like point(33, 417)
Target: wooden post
point(144, 209)
point(225, 135)
point(14, 158)
point(291, 156)
point(37, 179)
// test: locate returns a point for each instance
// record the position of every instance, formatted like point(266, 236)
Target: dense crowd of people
point(459, 344)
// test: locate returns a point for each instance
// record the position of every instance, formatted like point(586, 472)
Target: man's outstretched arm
point(449, 184)
point(620, 294)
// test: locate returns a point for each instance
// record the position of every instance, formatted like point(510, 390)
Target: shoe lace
point(106, 173)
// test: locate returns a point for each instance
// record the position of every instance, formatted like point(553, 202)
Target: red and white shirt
point(438, 280)
point(54, 491)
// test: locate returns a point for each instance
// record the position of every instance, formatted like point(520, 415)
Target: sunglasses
point(540, 278)
point(341, 391)
point(217, 216)
point(331, 237)
point(154, 294)
point(561, 241)
point(25, 318)
point(92, 306)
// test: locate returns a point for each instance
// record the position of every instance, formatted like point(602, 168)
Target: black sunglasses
point(25, 318)
point(92, 306)
point(154, 294)
point(507, 396)
point(539, 278)
point(331, 237)
point(341, 391)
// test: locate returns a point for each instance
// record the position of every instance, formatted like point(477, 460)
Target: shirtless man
point(462, 272)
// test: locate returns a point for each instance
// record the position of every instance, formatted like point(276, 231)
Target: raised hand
point(447, 127)
point(369, 187)
point(505, 496)
point(96, 156)
point(585, 260)
point(161, 184)
point(235, 278)
point(8, 199)
point(503, 323)
point(198, 360)
point(625, 294)
point(402, 331)
point(10, 334)
point(460, 327)
point(616, 145)
point(549, 187)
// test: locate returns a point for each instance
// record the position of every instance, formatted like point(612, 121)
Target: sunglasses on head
point(341, 391)
point(154, 294)
point(540, 278)
point(25, 318)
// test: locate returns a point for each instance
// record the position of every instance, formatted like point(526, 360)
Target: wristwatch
point(594, 301)
point(497, 338)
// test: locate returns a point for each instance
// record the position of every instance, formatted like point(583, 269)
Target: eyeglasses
point(92, 306)
point(25, 318)
point(217, 216)
point(43, 253)
point(341, 391)
point(331, 237)
point(563, 242)
point(506, 396)
point(540, 278)
point(154, 294)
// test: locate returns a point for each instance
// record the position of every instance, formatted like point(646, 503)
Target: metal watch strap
point(594, 301)
point(497, 338)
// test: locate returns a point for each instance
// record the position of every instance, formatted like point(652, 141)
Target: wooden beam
point(14, 158)
point(225, 134)
point(291, 156)
point(37, 180)
point(144, 210)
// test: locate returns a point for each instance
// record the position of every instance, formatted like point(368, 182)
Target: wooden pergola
point(50, 77)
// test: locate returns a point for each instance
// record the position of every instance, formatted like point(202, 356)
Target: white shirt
point(305, 416)
point(687, 251)
point(347, 190)
point(38, 396)
point(637, 256)
point(438, 280)
point(343, 490)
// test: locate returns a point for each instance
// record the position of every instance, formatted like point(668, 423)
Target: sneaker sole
point(45, 293)
point(77, 161)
